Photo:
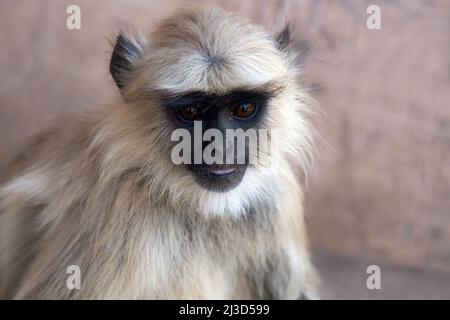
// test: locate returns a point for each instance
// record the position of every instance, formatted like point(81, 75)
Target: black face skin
point(240, 109)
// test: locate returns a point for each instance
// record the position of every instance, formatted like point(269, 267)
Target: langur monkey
point(99, 190)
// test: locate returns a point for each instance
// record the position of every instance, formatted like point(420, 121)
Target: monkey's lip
point(217, 170)
point(222, 172)
point(219, 177)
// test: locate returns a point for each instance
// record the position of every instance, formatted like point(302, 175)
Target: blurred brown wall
point(382, 185)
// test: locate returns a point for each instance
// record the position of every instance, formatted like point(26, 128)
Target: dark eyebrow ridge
point(204, 99)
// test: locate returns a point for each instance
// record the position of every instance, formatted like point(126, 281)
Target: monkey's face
point(205, 84)
point(218, 128)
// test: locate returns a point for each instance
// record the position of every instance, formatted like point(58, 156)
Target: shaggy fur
point(100, 191)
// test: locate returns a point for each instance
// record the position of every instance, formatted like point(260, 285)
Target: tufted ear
point(284, 37)
point(126, 53)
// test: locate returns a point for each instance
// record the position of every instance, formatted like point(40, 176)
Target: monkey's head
point(203, 76)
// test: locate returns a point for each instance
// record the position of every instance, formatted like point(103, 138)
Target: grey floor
point(344, 277)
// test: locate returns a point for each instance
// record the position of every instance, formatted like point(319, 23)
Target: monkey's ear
point(127, 51)
point(284, 37)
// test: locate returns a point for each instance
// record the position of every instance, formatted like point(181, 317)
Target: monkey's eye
point(189, 113)
point(244, 110)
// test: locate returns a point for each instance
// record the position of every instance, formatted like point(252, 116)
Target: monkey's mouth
point(218, 177)
point(226, 171)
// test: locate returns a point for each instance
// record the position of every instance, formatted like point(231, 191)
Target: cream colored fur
point(101, 191)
